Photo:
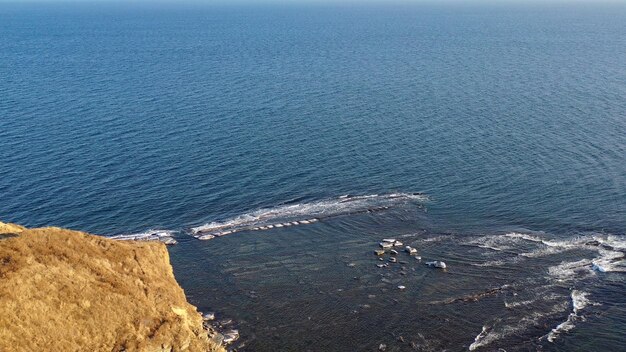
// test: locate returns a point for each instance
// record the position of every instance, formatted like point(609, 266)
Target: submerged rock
point(393, 259)
point(231, 336)
point(206, 237)
point(379, 252)
point(393, 252)
point(385, 245)
point(208, 316)
point(437, 264)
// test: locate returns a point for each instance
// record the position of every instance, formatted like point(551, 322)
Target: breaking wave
point(500, 329)
point(611, 250)
point(304, 213)
point(165, 236)
point(579, 302)
point(576, 262)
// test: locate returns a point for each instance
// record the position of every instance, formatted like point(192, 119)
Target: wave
point(566, 271)
point(520, 247)
point(579, 302)
point(289, 214)
point(513, 326)
point(165, 236)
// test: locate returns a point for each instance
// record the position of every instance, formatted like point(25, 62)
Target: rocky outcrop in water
point(63, 290)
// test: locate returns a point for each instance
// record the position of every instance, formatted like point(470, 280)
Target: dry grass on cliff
point(64, 290)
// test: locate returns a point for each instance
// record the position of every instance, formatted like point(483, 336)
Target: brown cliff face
point(63, 290)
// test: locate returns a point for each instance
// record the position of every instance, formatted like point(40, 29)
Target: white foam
point(609, 261)
point(524, 236)
point(306, 213)
point(164, 236)
point(565, 271)
point(519, 303)
point(479, 340)
point(517, 326)
point(579, 302)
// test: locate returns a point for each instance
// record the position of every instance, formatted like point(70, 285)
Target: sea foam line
point(304, 213)
point(165, 236)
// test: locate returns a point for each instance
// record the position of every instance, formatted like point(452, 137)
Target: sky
point(322, 1)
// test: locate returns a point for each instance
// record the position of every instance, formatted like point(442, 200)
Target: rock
point(96, 293)
point(385, 245)
point(351, 265)
point(231, 336)
point(382, 347)
point(397, 244)
point(401, 287)
point(389, 240)
point(437, 264)
point(379, 252)
point(418, 258)
point(218, 339)
point(225, 322)
point(381, 259)
point(394, 252)
point(168, 240)
point(380, 265)
point(410, 250)
point(206, 237)
point(393, 260)
point(208, 316)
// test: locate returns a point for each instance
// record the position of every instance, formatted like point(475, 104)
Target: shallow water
point(509, 119)
point(318, 287)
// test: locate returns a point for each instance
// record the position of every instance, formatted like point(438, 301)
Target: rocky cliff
point(63, 290)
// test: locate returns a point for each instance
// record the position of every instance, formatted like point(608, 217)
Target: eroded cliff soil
point(63, 290)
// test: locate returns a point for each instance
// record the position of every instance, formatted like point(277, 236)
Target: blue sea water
point(510, 119)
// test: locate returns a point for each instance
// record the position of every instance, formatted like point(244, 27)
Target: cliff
point(63, 290)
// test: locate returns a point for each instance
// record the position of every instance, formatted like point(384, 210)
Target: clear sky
point(324, 1)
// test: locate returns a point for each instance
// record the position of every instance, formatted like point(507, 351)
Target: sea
point(279, 144)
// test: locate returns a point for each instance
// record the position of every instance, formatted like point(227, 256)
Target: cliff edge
point(63, 290)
